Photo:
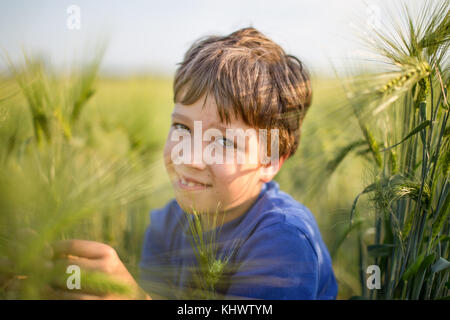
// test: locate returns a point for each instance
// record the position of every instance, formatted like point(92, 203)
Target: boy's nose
point(197, 161)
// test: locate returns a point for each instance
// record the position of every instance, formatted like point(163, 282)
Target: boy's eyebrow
point(187, 119)
point(181, 116)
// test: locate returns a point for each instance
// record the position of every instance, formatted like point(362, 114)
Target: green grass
point(75, 164)
point(81, 157)
point(123, 125)
point(403, 120)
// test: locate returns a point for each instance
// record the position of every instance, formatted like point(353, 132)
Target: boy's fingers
point(60, 276)
point(81, 248)
point(83, 263)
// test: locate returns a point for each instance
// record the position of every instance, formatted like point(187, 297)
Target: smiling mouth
point(191, 185)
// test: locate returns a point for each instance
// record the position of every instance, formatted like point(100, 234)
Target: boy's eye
point(225, 142)
point(179, 126)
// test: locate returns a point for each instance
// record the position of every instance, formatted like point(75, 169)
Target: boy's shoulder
point(279, 225)
point(164, 217)
point(278, 212)
point(278, 209)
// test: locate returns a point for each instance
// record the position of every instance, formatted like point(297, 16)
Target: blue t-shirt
point(275, 251)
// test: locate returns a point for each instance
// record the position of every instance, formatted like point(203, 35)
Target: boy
point(271, 243)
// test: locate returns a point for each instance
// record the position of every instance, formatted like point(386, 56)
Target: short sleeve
point(277, 262)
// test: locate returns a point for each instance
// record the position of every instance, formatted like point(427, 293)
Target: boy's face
point(230, 186)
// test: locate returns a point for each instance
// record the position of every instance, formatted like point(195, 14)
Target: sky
point(152, 36)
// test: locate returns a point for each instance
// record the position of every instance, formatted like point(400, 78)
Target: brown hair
point(250, 76)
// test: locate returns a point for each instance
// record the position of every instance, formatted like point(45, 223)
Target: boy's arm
point(278, 262)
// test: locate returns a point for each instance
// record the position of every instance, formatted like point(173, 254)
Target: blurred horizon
point(150, 37)
point(82, 148)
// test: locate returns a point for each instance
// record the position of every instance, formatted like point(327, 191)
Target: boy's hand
point(95, 257)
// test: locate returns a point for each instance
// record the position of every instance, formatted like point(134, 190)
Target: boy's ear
point(268, 171)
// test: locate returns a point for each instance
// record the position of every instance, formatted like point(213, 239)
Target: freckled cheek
point(225, 175)
point(169, 146)
point(233, 183)
point(166, 152)
point(167, 155)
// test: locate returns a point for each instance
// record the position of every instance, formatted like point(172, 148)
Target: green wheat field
point(81, 157)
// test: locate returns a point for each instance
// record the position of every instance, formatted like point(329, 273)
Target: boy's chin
point(190, 206)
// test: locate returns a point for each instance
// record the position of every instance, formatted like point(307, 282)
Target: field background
point(140, 107)
point(46, 184)
point(83, 125)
